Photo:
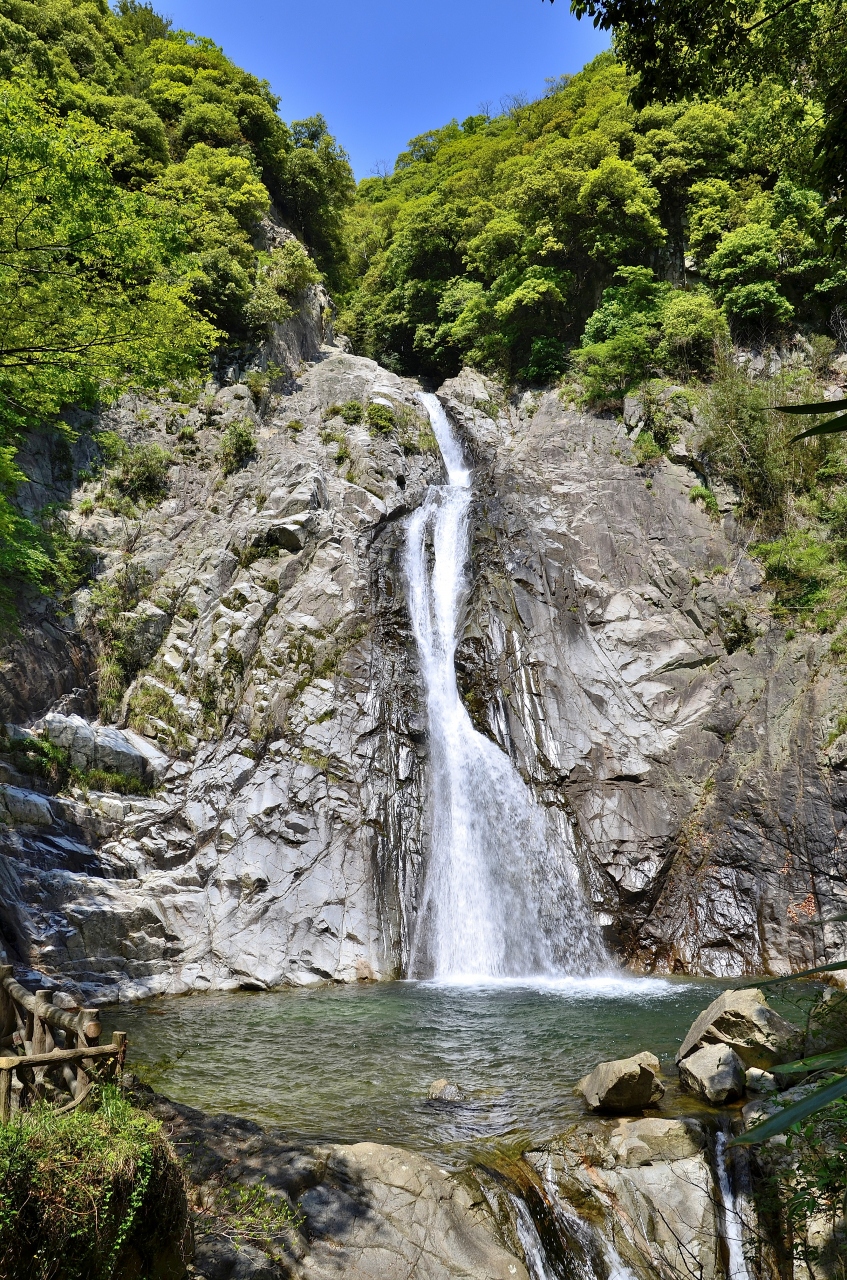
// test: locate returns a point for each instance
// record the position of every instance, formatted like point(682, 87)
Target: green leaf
point(825, 406)
point(789, 977)
point(818, 1062)
point(831, 427)
point(808, 1106)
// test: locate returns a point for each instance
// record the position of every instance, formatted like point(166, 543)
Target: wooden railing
point(51, 1053)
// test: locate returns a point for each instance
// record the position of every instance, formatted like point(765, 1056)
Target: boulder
point(745, 1022)
point(715, 1072)
point(25, 808)
point(444, 1090)
point(759, 1081)
point(71, 734)
point(640, 1142)
point(114, 753)
point(625, 1084)
point(103, 747)
point(157, 762)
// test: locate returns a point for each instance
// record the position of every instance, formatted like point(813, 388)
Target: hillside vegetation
point(138, 165)
point(492, 241)
point(612, 248)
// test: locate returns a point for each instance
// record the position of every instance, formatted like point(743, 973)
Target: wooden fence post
point(89, 1033)
point(5, 1096)
point(119, 1039)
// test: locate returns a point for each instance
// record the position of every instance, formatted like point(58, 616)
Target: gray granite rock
point(368, 1211)
point(745, 1022)
point(715, 1072)
point(620, 644)
point(626, 1084)
point(647, 1190)
point(617, 643)
point(638, 1142)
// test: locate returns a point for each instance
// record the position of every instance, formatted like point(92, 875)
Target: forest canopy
point(138, 165)
point(493, 240)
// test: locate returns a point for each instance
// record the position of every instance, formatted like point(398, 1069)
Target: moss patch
point(88, 1195)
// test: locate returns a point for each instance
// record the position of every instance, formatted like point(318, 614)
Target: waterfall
point(733, 1222)
point(530, 1241)
point(501, 895)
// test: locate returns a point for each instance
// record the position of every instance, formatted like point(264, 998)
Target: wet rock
point(444, 1090)
point(745, 1022)
point(656, 1206)
point(368, 1210)
point(715, 1072)
point(639, 1142)
point(625, 1084)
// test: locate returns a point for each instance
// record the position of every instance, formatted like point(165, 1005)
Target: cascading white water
point(501, 895)
point(733, 1221)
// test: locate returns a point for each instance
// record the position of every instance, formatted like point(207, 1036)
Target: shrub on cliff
point(89, 1194)
point(237, 447)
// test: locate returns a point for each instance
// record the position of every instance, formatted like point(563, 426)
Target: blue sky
point(382, 71)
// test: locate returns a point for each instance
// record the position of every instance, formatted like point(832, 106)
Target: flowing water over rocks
point(501, 896)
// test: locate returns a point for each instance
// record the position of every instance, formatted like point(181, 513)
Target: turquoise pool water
point(350, 1064)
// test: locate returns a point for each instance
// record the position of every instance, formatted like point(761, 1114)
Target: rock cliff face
point(277, 683)
point(620, 645)
point(617, 643)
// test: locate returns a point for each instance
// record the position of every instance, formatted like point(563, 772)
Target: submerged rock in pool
point(626, 1084)
point(445, 1091)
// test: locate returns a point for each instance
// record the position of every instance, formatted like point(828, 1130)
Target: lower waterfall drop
point(501, 895)
point(732, 1211)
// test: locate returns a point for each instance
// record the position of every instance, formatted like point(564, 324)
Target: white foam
point(608, 986)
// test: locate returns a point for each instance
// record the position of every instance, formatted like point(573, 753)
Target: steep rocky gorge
point(618, 644)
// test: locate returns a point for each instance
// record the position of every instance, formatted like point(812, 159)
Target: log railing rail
point(47, 1052)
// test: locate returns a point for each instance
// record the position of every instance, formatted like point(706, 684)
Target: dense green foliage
point(137, 165)
point(706, 46)
point(493, 240)
point(92, 1189)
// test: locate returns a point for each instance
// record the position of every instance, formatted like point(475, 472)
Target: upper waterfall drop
point(501, 895)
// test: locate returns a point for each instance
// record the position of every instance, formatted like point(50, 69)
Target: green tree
point(707, 46)
point(91, 295)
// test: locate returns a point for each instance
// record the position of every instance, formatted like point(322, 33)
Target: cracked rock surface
point(617, 642)
point(365, 1212)
point(282, 843)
